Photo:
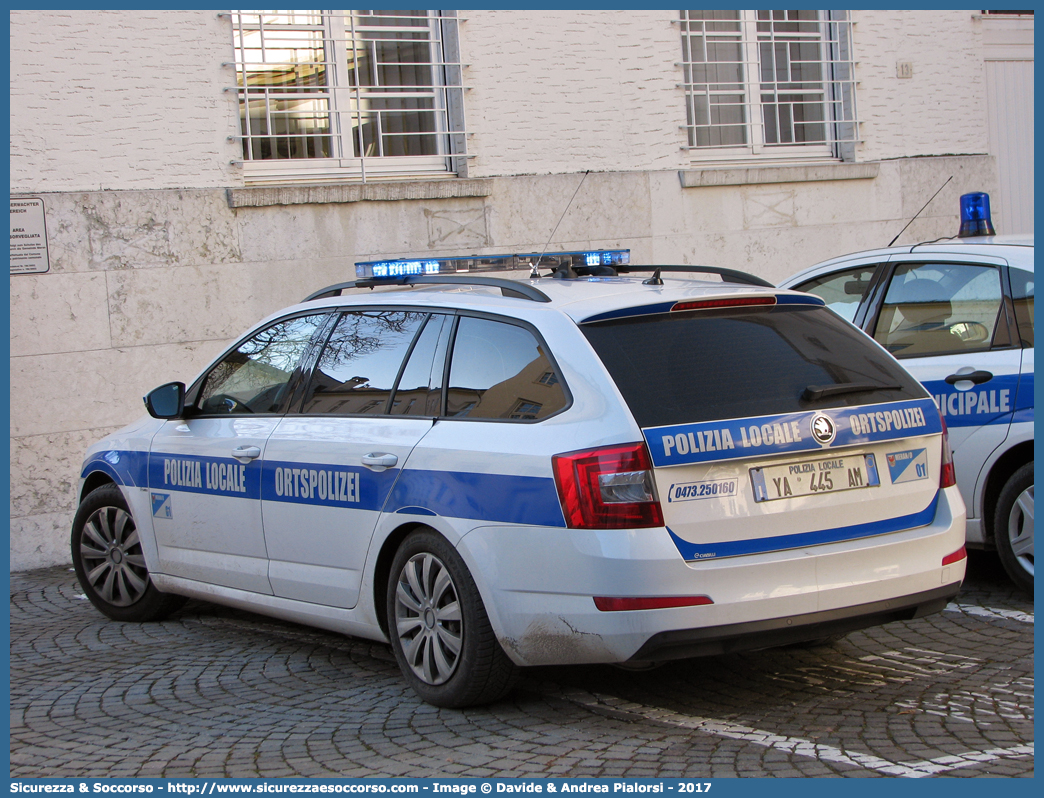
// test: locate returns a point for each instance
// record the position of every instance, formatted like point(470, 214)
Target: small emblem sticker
point(908, 466)
point(161, 505)
point(823, 429)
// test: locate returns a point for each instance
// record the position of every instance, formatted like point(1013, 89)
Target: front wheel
point(109, 562)
point(1013, 527)
point(439, 629)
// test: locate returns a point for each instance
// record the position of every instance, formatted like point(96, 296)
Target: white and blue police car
point(593, 466)
point(958, 314)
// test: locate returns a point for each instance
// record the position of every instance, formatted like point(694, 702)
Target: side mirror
point(167, 401)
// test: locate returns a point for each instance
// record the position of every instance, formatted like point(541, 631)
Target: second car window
point(939, 308)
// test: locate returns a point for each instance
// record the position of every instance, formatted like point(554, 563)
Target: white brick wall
point(566, 91)
point(135, 100)
point(941, 110)
point(121, 99)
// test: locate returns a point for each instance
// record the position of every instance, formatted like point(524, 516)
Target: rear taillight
point(947, 476)
point(610, 488)
point(957, 556)
point(615, 604)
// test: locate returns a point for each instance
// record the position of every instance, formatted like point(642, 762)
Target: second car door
point(948, 324)
point(329, 467)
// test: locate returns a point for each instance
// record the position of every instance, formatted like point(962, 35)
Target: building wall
point(105, 100)
point(941, 109)
point(120, 125)
point(565, 91)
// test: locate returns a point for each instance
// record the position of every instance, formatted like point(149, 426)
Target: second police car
point(493, 473)
point(958, 314)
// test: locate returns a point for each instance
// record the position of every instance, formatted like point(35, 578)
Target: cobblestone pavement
point(216, 692)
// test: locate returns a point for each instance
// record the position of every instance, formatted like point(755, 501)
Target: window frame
point(345, 99)
point(1005, 328)
point(837, 87)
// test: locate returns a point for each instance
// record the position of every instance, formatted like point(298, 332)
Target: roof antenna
point(534, 274)
point(929, 202)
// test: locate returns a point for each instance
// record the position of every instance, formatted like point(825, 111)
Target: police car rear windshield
point(677, 368)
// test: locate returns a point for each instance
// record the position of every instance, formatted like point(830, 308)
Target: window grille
point(768, 83)
point(345, 93)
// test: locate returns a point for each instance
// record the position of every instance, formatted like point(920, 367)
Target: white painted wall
point(121, 99)
point(135, 99)
point(565, 91)
point(942, 108)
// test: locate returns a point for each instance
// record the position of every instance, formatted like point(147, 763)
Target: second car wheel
point(439, 629)
point(1013, 527)
point(109, 563)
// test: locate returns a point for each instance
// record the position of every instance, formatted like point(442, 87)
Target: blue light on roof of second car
point(975, 215)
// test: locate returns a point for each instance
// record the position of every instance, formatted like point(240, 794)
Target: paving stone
point(214, 692)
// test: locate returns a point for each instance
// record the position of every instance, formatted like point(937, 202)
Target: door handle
point(977, 377)
point(246, 452)
point(379, 461)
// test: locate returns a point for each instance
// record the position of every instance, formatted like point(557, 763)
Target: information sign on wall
point(28, 237)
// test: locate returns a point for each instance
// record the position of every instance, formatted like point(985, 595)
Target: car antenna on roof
point(534, 273)
point(929, 202)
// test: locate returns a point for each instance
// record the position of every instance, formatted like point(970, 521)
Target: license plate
point(808, 477)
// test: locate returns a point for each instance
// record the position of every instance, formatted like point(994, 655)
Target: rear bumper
point(714, 640)
point(538, 585)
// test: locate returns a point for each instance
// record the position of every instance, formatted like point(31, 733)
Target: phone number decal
point(691, 491)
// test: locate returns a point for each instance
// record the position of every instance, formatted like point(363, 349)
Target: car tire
point(109, 562)
point(439, 629)
point(1013, 527)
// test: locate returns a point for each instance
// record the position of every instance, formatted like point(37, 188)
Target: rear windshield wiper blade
point(814, 393)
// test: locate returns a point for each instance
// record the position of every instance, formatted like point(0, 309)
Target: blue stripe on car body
point(736, 548)
point(497, 498)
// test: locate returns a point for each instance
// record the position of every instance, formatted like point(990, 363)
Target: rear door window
point(359, 365)
point(677, 368)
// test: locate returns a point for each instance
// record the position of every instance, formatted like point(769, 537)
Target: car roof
point(580, 299)
point(1017, 250)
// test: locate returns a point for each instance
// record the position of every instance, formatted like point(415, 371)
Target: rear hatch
point(772, 424)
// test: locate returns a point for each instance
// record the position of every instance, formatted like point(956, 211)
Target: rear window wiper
point(814, 393)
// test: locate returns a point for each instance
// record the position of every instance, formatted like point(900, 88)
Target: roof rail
point(727, 275)
point(511, 288)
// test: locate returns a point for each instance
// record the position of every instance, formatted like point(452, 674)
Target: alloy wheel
point(113, 562)
point(1020, 529)
point(428, 618)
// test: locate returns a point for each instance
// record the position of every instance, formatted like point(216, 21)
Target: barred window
point(348, 93)
point(775, 83)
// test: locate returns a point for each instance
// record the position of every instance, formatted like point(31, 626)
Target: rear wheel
point(1013, 527)
point(109, 562)
point(439, 629)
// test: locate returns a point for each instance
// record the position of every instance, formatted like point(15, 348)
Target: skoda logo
point(823, 429)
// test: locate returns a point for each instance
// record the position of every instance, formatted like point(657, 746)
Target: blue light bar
point(471, 264)
point(975, 215)
point(401, 268)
